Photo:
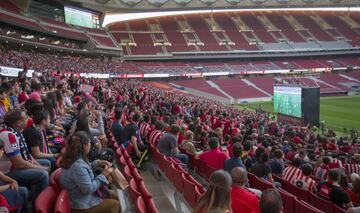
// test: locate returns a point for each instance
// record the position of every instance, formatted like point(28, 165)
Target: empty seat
point(299, 193)
point(144, 191)
point(176, 178)
point(303, 207)
point(140, 205)
point(200, 191)
point(320, 203)
point(45, 201)
point(62, 203)
point(261, 184)
point(55, 180)
point(189, 191)
point(136, 175)
point(337, 209)
point(127, 173)
point(134, 191)
point(288, 200)
point(151, 208)
point(201, 168)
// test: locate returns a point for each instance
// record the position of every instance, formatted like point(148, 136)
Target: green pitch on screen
point(287, 100)
point(75, 18)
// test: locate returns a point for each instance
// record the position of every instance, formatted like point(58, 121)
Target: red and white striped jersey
point(144, 129)
point(335, 163)
point(352, 168)
point(321, 171)
point(290, 172)
point(304, 182)
point(155, 137)
point(355, 148)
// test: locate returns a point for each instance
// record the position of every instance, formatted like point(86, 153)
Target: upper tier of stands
point(233, 31)
point(11, 14)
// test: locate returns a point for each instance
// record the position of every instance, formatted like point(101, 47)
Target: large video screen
point(81, 18)
point(287, 100)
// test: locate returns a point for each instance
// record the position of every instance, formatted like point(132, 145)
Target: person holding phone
point(78, 178)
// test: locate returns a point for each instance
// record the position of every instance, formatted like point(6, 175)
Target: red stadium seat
point(288, 200)
point(45, 201)
point(122, 162)
point(140, 205)
point(127, 173)
point(130, 163)
point(144, 191)
point(303, 207)
point(62, 203)
point(200, 191)
point(209, 171)
point(320, 203)
point(191, 161)
point(151, 208)
point(136, 175)
point(118, 152)
point(58, 160)
point(176, 178)
point(55, 180)
point(284, 184)
point(251, 178)
point(261, 184)
point(337, 209)
point(126, 155)
point(201, 168)
point(168, 168)
point(299, 193)
point(134, 191)
point(189, 191)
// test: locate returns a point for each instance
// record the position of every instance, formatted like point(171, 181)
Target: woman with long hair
point(217, 197)
point(78, 178)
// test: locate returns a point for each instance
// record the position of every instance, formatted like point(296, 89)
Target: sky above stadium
point(112, 18)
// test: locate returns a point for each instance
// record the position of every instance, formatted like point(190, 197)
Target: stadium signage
point(94, 75)
point(13, 72)
point(215, 73)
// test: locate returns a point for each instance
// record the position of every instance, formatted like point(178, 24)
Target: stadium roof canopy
point(120, 6)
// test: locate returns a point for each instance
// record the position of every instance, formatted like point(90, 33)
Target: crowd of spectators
point(42, 115)
point(43, 62)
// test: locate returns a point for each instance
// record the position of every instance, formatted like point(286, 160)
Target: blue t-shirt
point(233, 162)
point(116, 129)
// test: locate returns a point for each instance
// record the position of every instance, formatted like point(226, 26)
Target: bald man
point(242, 199)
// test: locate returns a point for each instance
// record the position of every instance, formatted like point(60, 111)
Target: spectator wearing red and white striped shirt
point(352, 168)
point(291, 171)
point(303, 180)
point(144, 127)
point(335, 163)
point(321, 171)
point(155, 135)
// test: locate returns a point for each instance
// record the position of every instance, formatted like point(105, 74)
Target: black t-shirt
point(33, 138)
point(338, 196)
point(261, 170)
point(129, 131)
point(247, 162)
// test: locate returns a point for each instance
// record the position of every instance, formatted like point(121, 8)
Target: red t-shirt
point(23, 97)
point(244, 201)
point(214, 158)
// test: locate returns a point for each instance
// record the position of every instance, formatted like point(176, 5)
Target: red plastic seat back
point(189, 191)
point(151, 206)
point(320, 203)
point(288, 200)
point(144, 191)
point(55, 180)
point(62, 203)
point(140, 205)
point(261, 184)
point(127, 174)
point(303, 207)
point(299, 193)
point(45, 201)
point(134, 191)
point(337, 209)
